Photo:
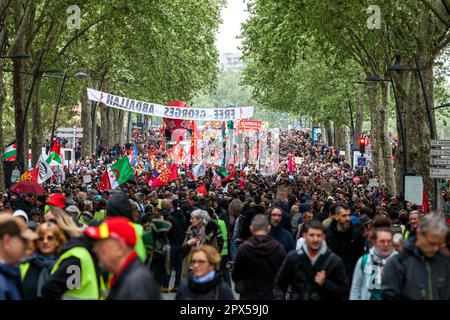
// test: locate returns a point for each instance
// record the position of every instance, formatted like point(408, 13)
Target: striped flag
point(10, 152)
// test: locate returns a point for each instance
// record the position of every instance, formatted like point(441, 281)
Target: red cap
point(119, 228)
point(58, 200)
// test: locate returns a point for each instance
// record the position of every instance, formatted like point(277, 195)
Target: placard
point(298, 160)
point(283, 193)
point(414, 189)
point(87, 179)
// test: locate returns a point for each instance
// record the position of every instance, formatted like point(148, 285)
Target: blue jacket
point(10, 283)
point(283, 237)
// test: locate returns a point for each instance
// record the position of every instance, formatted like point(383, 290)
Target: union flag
point(168, 175)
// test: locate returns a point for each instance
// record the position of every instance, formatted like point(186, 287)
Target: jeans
point(176, 260)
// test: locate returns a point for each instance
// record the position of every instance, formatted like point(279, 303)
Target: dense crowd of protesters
point(318, 231)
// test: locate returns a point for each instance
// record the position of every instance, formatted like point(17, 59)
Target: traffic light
point(362, 145)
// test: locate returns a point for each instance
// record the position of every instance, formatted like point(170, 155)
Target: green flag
point(223, 173)
point(122, 170)
point(54, 159)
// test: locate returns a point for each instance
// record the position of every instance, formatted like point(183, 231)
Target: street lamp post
point(94, 141)
point(79, 75)
point(400, 68)
point(352, 125)
point(21, 138)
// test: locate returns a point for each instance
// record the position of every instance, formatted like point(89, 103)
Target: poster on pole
point(414, 188)
point(317, 134)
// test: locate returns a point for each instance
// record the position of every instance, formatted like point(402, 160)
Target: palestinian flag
point(54, 158)
point(10, 152)
point(225, 176)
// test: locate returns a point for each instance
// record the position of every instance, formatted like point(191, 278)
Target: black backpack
point(156, 243)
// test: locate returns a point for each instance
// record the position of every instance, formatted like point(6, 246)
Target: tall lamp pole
point(399, 68)
point(94, 141)
point(79, 75)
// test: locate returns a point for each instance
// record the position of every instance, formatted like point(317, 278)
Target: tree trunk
point(328, 134)
point(85, 124)
point(104, 126)
point(401, 81)
point(120, 130)
point(2, 144)
point(36, 135)
point(418, 133)
point(341, 137)
point(375, 125)
point(384, 139)
point(19, 107)
point(110, 125)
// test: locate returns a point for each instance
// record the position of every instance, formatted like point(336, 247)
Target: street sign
point(361, 162)
point(440, 152)
point(440, 162)
point(440, 143)
point(439, 173)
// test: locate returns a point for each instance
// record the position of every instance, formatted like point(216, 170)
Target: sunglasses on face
point(200, 262)
point(49, 238)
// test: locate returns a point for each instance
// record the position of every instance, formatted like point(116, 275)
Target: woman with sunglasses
point(35, 270)
point(205, 281)
point(76, 274)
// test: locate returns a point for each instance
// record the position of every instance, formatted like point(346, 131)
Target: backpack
point(156, 242)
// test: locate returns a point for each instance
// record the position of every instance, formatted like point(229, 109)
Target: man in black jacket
point(115, 239)
point(313, 271)
point(257, 261)
point(176, 236)
point(278, 232)
point(420, 271)
point(345, 239)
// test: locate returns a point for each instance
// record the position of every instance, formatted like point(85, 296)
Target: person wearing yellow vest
point(75, 275)
point(154, 201)
point(100, 205)
point(115, 239)
point(119, 205)
point(410, 230)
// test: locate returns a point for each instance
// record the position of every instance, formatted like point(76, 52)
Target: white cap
point(21, 213)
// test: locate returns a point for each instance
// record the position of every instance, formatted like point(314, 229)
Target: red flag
point(194, 138)
point(161, 147)
point(55, 147)
point(202, 190)
point(105, 184)
point(168, 175)
point(425, 203)
point(30, 175)
point(191, 176)
point(242, 182)
point(148, 177)
point(230, 176)
point(291, 164)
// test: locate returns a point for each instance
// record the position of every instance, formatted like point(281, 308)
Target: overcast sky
point(232, 16)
